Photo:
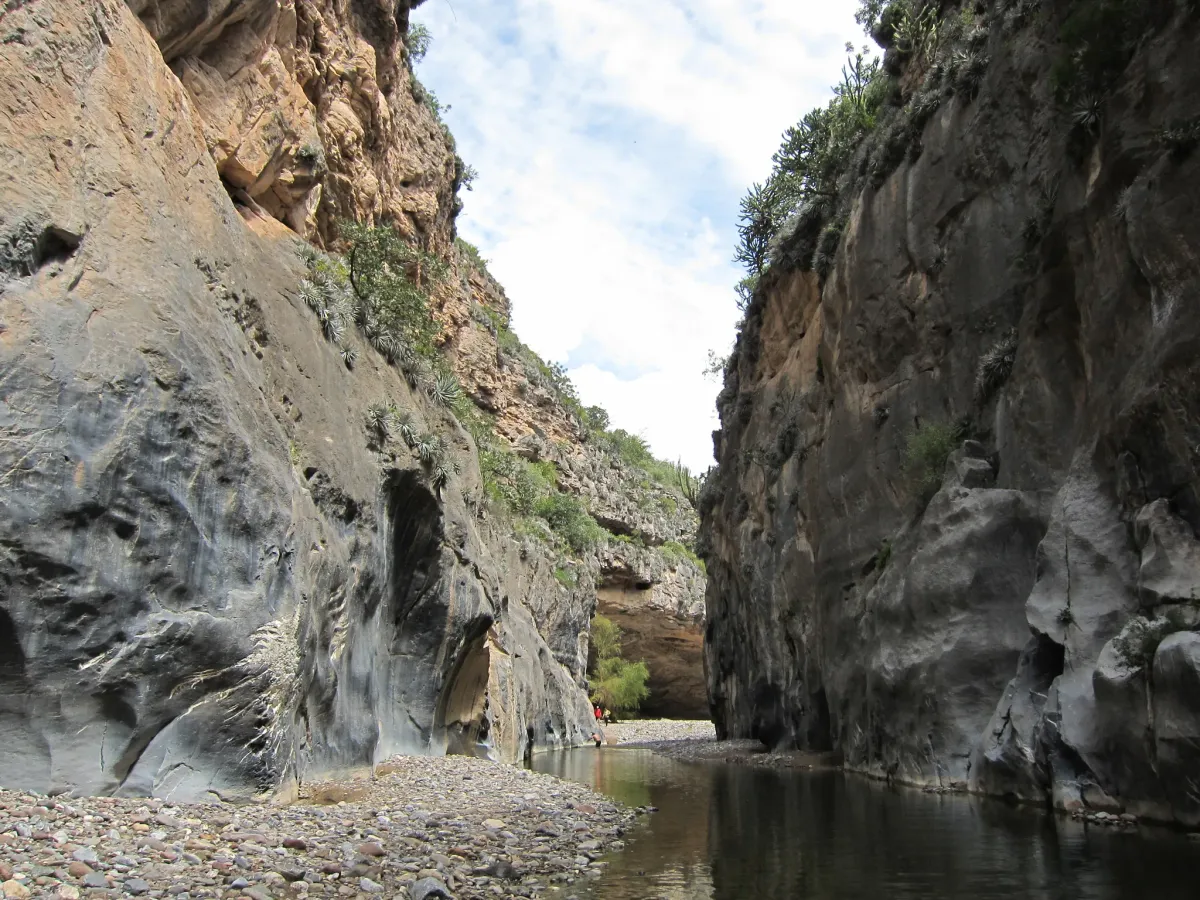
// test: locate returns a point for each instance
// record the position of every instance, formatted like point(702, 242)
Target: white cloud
point(613, 142)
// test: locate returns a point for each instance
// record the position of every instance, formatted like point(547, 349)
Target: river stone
point(429, 889)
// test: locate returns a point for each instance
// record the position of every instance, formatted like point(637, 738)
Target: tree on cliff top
point(616, 683)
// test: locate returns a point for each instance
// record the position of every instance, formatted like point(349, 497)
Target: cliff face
point(1020, 288)
point(215, 578)
point(309, 111)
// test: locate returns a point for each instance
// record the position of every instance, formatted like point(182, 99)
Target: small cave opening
point(29, 247)
point(817, 733)
point(462, 710)
point(415, 532)
point(1044, 659)
point(12, 657)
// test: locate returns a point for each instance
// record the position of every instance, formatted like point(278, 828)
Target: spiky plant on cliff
point(994, 366)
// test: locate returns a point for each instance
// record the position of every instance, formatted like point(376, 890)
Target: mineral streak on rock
point(1030, 630)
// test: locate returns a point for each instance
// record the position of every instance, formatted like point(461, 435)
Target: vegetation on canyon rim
point(933, 51)
point(615, 683)
point(386, 286)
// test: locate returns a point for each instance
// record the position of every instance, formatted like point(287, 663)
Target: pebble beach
point(422, 829)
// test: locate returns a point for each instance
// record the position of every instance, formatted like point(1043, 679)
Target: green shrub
point(1097, 39)
point(596, 418)
point(814, 155)
point(391, 280)
point(568, 518)
point(1181, 137)
point(606, 637)
point(674, 551)
point(615, 683)
point(417, 41)
point(925, 456)
point(1139, 639)
point(565, 576)
point(884, 556)
point(470, 255)
point(511, 481)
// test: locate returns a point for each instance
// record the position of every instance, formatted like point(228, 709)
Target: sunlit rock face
point(1029, 629)
point(211, 585)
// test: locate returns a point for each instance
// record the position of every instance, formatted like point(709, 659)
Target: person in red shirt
point(599, 714)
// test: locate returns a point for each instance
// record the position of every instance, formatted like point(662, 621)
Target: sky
point(613, 141)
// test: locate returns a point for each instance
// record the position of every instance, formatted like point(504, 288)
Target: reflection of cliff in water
point(776, 835)
point(730, 833)
point(668, 856)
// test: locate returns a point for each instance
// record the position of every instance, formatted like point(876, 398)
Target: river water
point(726, 832)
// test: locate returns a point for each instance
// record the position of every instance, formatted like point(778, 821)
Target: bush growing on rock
point(929, 447)
point(569, 519)
point(995, 366)
point(616, 683)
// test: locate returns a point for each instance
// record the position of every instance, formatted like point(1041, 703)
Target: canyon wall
point(214, 581)
point(1015, 614)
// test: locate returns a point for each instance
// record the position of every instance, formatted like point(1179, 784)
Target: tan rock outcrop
point(309, 111)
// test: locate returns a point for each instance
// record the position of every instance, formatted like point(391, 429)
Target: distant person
point(599, 714)
point(596, 736)
point(607, 717)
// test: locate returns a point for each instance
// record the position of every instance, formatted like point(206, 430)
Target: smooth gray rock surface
point(210, 585)
point(1007, 635)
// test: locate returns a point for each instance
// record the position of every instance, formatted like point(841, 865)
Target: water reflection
point(728, 833)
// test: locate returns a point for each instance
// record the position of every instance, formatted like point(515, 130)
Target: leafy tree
point(715, 366)
point(391, 280)
point(606, 637)
point(616, 683)
point(417, 42)
point(814, 155)
point(596, 418)
point(929, 447)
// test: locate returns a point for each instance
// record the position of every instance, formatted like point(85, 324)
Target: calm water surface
point(740, 833)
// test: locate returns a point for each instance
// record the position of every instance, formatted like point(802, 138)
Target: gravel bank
point(424, 828)
point(657, 730)
point(696, 741)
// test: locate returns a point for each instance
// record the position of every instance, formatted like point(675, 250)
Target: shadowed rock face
point(1029, 630)
point(209, 583)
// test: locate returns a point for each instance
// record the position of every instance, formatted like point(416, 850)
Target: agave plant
point(406, 427)
point(442, 470)
point(310, 255)
point(428, 447)
point(385, 343)
point(349, 356)
point(995, 366)
point(332, 328)
point(444, 390)
point(313, 295)
point(378, 419)
point(1087, 114)
point(415, 369)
